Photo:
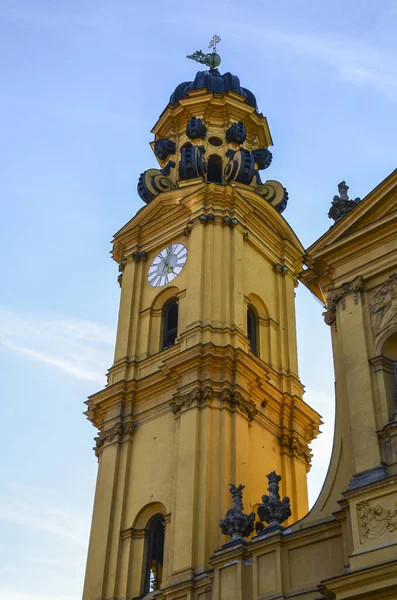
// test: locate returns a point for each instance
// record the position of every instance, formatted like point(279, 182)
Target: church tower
point(204, 388)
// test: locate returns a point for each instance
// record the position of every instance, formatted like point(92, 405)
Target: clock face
point(167, 265)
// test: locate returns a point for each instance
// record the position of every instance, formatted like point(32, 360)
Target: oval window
point(215, 141)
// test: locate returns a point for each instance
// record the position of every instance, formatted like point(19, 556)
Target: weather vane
point(212, 59)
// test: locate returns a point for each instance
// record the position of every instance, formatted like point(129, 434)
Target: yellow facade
point(177, 425)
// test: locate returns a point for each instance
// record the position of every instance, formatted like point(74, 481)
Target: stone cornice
point(382, 575)
point(168, 215)
point(135, 534)
point(217, 108)
point(278, 392)
point(382, 363)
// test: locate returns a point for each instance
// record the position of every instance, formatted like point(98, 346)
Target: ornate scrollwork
point(336, 295)
point(384, 305)
point(241, 166)
point(118, 251)
point(236, 523)
point(275, 193)
point(236, 133)
point(374, 521)
point(195, 129)
point(117, 433)
point(163, 148)
point(246, 406)
point(155, 181)
point(296, 448)
point(198, 396)
point(330, 316)
point(192, 163)
point(186, 400)
point(122, 264)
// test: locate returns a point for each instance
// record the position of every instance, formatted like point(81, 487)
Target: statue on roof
point(341, 205)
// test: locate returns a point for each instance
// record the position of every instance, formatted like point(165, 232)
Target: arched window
point(214, 169)
point(252, 330)
point(389, 363)
point(154, 557)
point(170, 323)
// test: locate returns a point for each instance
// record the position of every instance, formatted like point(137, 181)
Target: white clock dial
point(167, 265)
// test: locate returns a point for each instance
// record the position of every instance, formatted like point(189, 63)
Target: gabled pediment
point(261, 209)
point(376, 209)
point(166, 205)
point(363, 241)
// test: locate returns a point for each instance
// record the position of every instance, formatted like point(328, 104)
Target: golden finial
point(212, 59)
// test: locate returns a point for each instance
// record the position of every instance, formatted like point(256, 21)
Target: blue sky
point(83, 82)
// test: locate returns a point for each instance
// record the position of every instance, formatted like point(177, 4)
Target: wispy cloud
point(55, 543)
point(354, 59)
point(44, 518)
point(82, 349)
point(351, 58)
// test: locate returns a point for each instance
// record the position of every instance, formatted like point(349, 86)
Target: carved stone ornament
point(275, 193)
point(122, 264)
point(236, 133)
point(198, 396)
point(192, 162)
point(236, 523)
point(245, 406)
point(341, 205)
point(163, 148)
point(241, 167)
point(155, 181)
point(187, 400)
point(296, 448)
point(195, 129)
point(273, 510)
point(263, 158)
point(376, 520)
point(117, 433)
point(384, 305)
point(118, 251)
point(336, 295)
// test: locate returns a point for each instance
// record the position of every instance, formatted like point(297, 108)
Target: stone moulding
point(295, 447)
point(374, 521)
point(338, 295)
point(384, 305)
point(117, 433)
point(199, 396)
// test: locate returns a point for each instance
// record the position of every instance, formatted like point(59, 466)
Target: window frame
point(156, 523)
point(252, 328)
point(166, 331)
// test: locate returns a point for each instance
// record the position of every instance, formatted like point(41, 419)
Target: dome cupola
point(212, 132)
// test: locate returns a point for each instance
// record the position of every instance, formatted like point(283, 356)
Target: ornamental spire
point(273, 510)
point(236, 523)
